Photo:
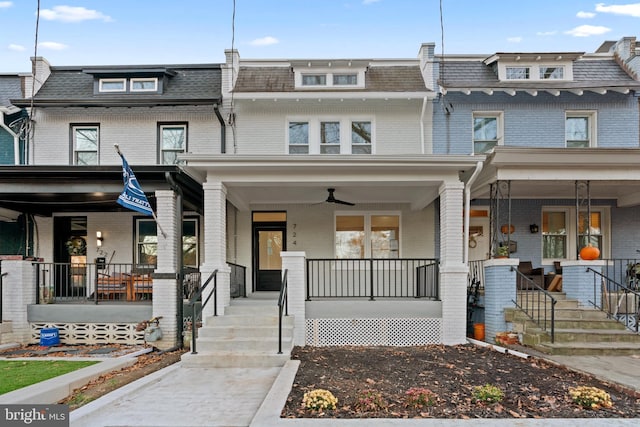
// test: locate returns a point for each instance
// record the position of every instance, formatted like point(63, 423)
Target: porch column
point(165, 277)
point(18, 292)
point(499, 293)
point(215, 246)
point(578, 282)
point(295, 265)
point(453, 271)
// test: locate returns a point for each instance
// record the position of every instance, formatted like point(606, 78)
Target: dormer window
point(113, 85)
point(518, 73)
point(144, 85)
point(314, 80)
point(345, 79)
point(551, 72)
point(326, 78)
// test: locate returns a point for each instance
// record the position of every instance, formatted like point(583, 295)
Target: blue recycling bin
point(49, 337)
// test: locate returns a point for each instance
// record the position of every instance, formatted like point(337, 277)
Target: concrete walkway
point(180, 396)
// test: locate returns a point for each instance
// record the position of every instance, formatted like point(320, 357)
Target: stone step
point(588, 335)
point(589, 349)
point(235, 359)
point(534, 303)
point(564, 314)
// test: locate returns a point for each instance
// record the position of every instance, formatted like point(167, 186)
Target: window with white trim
point(85, 144)
point(330, 136)
point(549, 72)
point(536, 71)
point(580, 129)
point(560, 239)
point(487, 131)
point(314, 80)
point(329, 78)
point(144, 84)
point(173, 141)
point(518, 73)
point(113, 85)
point(147, 242)
point(367, 235)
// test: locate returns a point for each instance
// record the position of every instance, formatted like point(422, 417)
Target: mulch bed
point(75, 350)
point(532, 387)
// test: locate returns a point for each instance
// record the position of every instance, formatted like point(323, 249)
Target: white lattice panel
point(91, 333)
point(395, 332)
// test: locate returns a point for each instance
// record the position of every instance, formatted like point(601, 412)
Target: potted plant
point(502, 252)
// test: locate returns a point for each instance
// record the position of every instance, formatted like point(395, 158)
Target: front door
point(269, 239)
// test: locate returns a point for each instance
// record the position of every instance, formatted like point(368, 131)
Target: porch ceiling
point(551, 173)
point(252, 180)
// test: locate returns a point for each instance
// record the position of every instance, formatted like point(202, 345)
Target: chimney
point(40, 72)
point(426, 57)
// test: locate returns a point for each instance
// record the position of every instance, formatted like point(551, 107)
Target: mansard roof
point(183, 85)
point(593, 73)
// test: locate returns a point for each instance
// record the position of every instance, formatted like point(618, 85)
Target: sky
point(144, 32)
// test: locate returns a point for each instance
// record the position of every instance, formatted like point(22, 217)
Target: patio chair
point(112, 286)
point(142, 282)
point(534, 274)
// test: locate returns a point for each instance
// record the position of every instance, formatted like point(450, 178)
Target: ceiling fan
point(332, 199)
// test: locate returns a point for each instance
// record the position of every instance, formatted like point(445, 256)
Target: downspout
point(179, 261)
point(223, 130)
point(424, 109)
point(467, 207)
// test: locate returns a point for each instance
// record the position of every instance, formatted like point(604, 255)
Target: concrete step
point(247, 319)
point(564, 314)
point(584, 336)
point(243, 331)
point(589, 349)
point(209, 345)
point(235, 359)
point(251, 309)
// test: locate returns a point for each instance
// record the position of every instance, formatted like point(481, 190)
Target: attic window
point(551, 73)
point(113, 85)
point(144, 85)
point(345, 79)
point(517, 73)
point(314, 80)
point(328, 79)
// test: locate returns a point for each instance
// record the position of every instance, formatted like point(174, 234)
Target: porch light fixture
point(99, 238)
point(534, 228)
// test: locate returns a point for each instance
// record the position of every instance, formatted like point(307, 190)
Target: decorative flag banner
point(132, 196)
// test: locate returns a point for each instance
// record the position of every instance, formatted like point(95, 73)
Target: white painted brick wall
point(19, 290)
point(294, 263)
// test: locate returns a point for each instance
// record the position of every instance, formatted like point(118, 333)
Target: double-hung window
point(330, 136)
point(554, 234)
point(560, 240)
point(85, 144)
point(369, 235)
point(580, 129)
point(487, 131)
point(147, 242)
point(173, 141)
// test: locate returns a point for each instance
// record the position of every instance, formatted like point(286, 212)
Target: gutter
point(223, 130)
point(467, 207)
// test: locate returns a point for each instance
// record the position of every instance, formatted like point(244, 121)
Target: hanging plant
point(76, 245)
point(589, 252)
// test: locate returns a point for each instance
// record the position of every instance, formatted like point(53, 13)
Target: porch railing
point(197, 296)
point(1, 289)
point(283, 307)
point(538, 304)
point(619, 301)
point(373, 278)
point(238, 280)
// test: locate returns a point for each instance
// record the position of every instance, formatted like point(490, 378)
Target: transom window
point(173, 141)
point(335, 136)
point(85, 145)
point(147, 242)
point(144, 85)
point(113, 85)
point(487, 131)
point(368, 235)
point(580, 129)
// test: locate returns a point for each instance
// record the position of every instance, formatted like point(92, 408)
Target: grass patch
point(15, 374)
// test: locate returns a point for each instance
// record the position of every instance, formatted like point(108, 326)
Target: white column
point(18, 292)
point(294, 263)
point(165, 283)
point(453, 271)
point(215, 245)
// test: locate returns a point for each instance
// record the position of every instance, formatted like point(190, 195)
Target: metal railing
point(372, 278)
point(625, 271)
point(539, 305)
point(1, 289)
point(194, 306)
point(283, 307)
point(476, 274)
point(238, 280)
point(617, 300)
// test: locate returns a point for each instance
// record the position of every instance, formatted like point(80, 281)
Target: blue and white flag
point(132, 196)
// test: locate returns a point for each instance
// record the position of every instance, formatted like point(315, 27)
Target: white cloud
point(588, 30)
point(52, 46)
point(265, 41)
point(632, 9)
point(367, 2)
point(514, 39)
point(5, 4)
point(546, 33)
point(585, 15)
point(73, 14)
point(16, 47)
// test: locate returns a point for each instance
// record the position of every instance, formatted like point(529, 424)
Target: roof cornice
point(120, 102)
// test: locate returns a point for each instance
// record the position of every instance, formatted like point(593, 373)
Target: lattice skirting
point(395, 332)
point(91, 333)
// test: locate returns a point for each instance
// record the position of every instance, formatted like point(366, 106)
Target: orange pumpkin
point(589, 252)
point(507, 229)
